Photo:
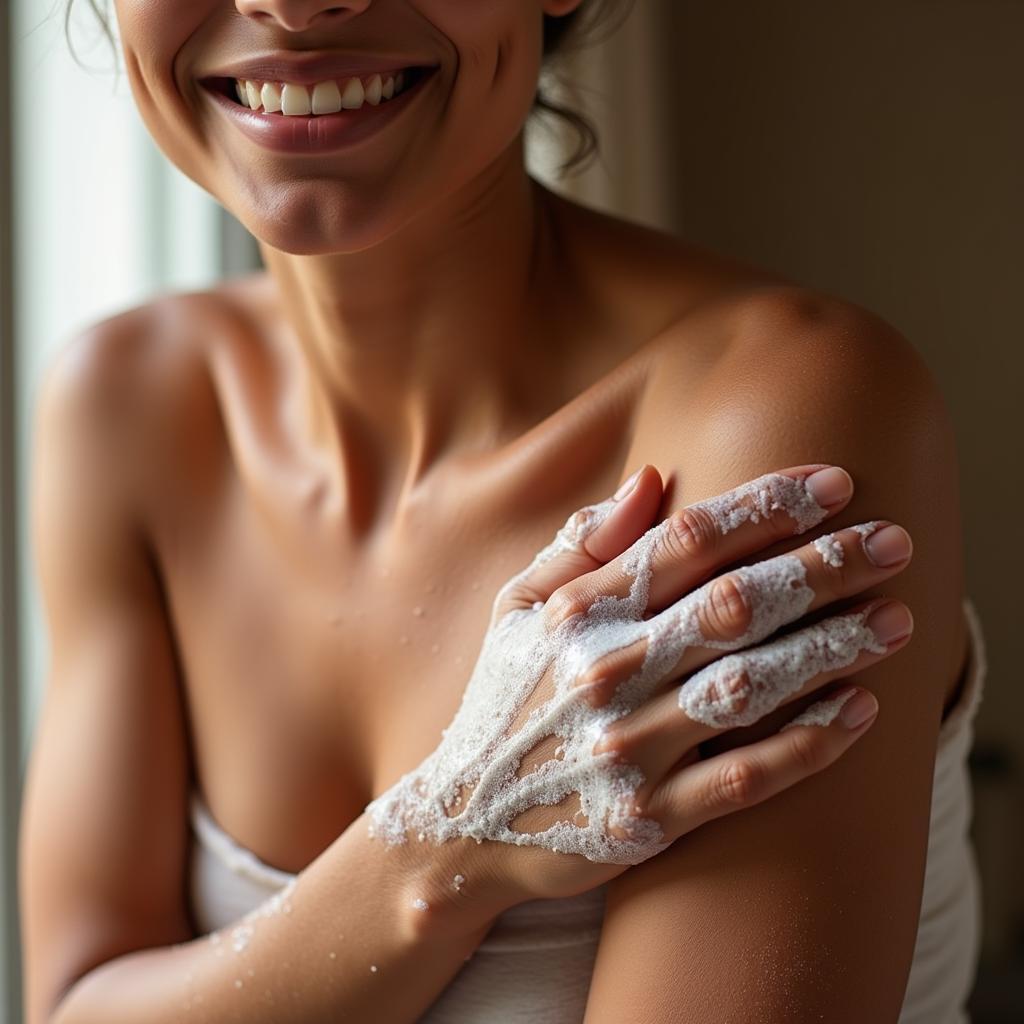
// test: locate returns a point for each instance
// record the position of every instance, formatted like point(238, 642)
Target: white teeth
point(327, 98)
point(352, 97)
point(271, 97)
point(295, 99)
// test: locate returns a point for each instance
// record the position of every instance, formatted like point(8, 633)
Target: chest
point(312, 680)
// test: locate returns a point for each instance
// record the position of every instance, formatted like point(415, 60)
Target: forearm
point(348, 943)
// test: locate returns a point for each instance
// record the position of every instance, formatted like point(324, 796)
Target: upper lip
point(308, 69)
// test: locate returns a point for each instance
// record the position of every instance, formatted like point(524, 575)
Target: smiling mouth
point(293, 99)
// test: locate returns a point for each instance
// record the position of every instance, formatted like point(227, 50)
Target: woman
point(298, 498)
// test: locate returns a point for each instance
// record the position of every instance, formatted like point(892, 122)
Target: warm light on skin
point(401, 264)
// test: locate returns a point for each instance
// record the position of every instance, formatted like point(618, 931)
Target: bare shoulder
point(777, 377)
point(139, 384)
point(154, 350)
point(784, 376)
point(787, 373)
point(137, 360)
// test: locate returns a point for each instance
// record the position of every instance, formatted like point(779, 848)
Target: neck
point(433, 340)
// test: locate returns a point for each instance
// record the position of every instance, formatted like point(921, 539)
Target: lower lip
point(320, 133)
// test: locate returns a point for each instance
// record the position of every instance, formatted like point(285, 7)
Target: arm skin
point(804, 907)
point(104, 839)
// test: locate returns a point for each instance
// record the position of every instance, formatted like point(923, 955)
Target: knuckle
point(736, 691)
point(806, 750)
point(563, 604)
point(836, 572)
point(738, 783)
point(693, 534)
point(614, 740)
point(726, 614)
point(593, 683)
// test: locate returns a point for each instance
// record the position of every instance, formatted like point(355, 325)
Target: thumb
point(591, 536)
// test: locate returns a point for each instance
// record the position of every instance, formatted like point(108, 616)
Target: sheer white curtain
point(101, 222)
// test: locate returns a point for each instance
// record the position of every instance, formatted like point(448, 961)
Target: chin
point(305, 221)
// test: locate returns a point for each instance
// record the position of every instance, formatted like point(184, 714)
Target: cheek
point(155, 29)
point(496, 61)
point(153, 33)
point(497, 46)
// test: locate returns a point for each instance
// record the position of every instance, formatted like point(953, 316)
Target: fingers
point(750, 603)
point(748, 775)
point(690, 544)
point(742, 688)
point(745, 606)
point(590, 537)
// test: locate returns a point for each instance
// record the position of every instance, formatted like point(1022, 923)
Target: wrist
point(445, 890)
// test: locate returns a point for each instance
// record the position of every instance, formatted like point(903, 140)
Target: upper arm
point(102, 842)
point(806, 906)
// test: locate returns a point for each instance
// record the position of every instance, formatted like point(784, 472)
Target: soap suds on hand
point(830, 549)
point(471, 786)
point(822, 712)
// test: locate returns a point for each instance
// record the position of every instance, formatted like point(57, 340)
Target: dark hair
point(562, 35)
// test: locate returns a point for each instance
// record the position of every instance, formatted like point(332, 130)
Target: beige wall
point(876, 151)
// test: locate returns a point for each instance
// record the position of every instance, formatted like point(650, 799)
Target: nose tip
point(296, 15)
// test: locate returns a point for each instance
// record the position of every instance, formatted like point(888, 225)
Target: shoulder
point(783, 340)
point(139, 359)
point(782, 375)
point(134, 391)
point(785, 376)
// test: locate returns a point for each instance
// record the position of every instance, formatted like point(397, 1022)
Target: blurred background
point(873, 150)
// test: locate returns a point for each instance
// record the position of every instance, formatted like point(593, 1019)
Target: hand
point(575, 750)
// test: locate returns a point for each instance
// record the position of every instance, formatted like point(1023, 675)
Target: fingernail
point(829, 486)
point(891, 622)
point(628, 485)
point(859, 709)
point(888, 546)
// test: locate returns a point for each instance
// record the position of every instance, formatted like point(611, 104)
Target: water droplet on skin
point(418, 611)
point(333, 955)
point(403, 640)
point(373, 967)
point(238, 983)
